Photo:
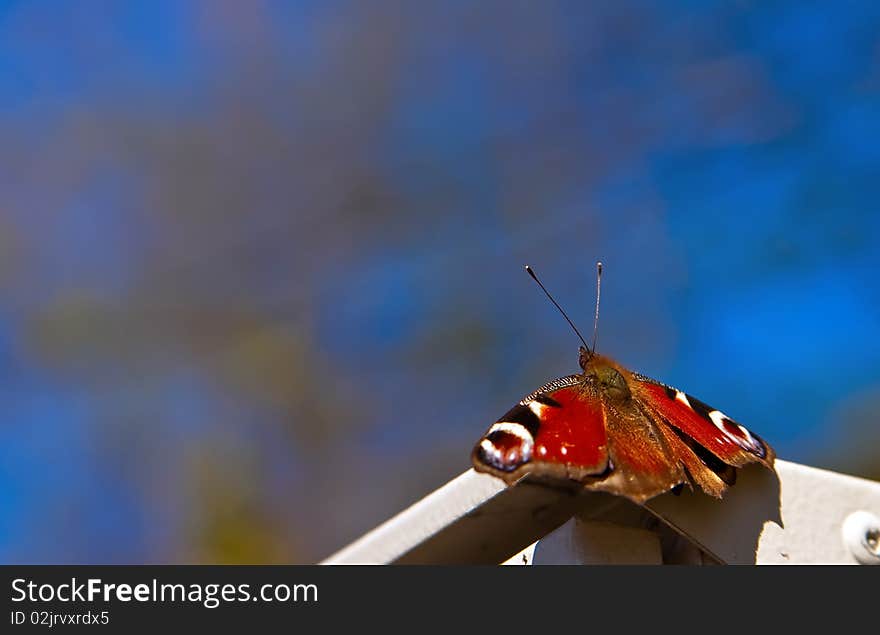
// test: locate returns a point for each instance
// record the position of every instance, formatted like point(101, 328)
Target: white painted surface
point(393, 538)
point(815, 503)
point(797, 520)
point(598, 542)
point(524, 557)
point(475, 518)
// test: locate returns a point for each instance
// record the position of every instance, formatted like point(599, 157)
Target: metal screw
point(872, 541)
point(861, 535)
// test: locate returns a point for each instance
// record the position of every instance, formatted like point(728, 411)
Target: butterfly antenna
point(556, 304)
point(596, 318)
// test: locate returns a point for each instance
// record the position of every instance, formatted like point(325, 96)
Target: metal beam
point(476, 519)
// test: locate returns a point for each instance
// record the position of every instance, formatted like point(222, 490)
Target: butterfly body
point(610, 429)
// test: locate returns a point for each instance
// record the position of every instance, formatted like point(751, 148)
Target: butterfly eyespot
point(506, 447)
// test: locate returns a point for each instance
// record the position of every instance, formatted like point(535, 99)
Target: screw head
point(861, 535)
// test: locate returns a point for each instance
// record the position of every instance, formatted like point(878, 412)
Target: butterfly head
point(604, 374)
point(584, 357)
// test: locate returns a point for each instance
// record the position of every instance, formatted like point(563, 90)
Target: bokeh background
point(261, 275)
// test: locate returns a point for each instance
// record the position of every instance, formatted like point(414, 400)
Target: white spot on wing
point(516, 429)
point(680, 396)
point(752, 440)
point(750, 443)
point(718, 418)
point(537, 407)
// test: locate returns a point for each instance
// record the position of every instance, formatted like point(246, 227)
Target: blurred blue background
point(261, 264)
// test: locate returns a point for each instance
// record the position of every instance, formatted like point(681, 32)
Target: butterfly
point(610, 429)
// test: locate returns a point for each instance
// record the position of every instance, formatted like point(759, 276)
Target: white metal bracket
point(808, 515)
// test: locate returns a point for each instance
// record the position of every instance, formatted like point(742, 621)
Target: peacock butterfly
point(613, 430)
